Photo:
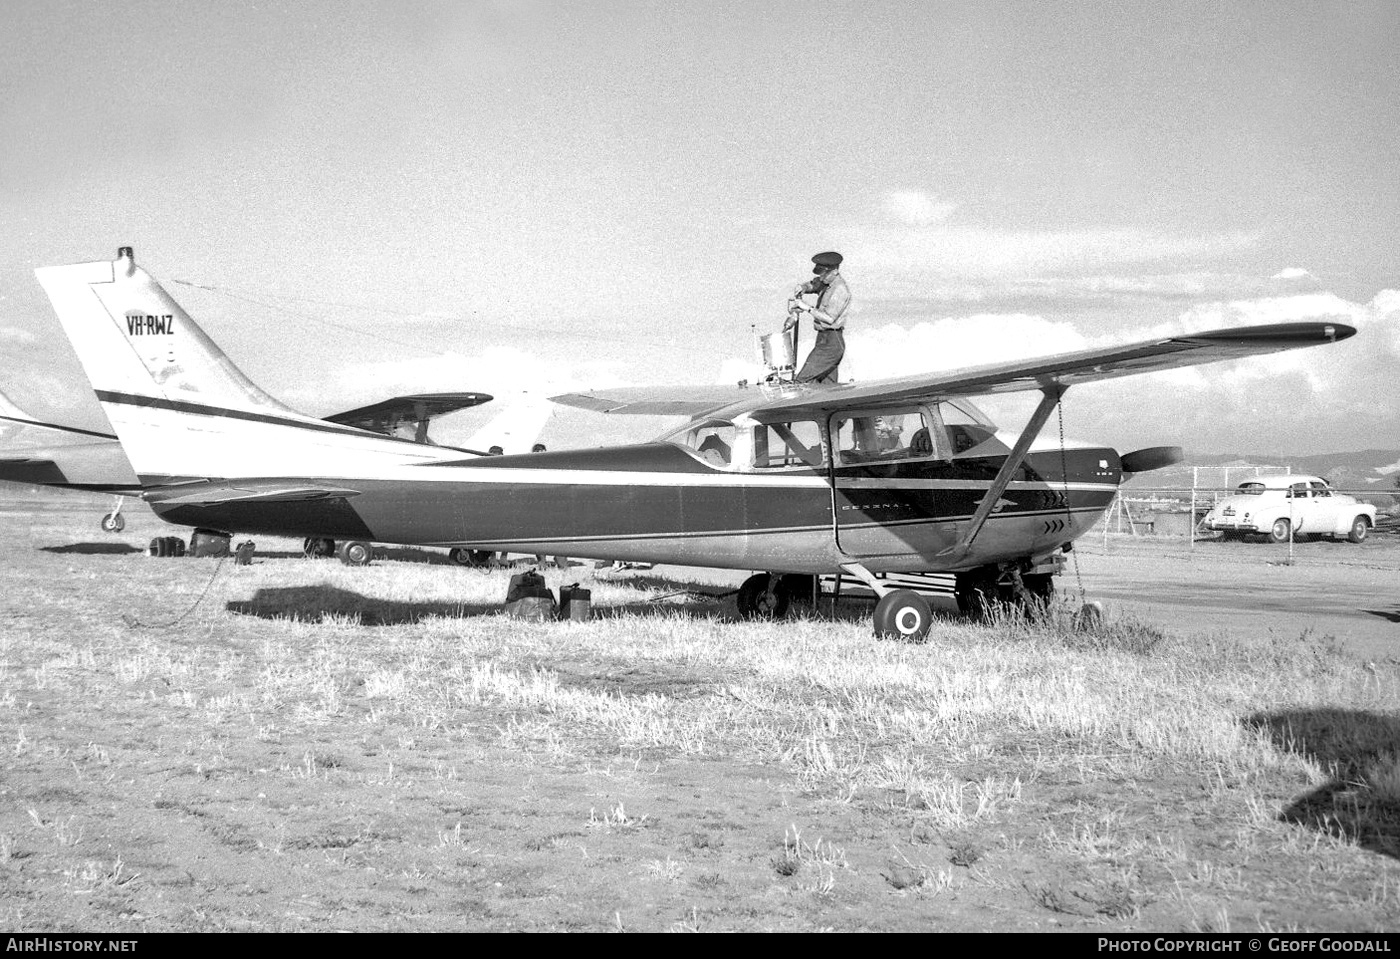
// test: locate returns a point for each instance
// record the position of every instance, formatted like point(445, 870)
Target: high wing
point(1046, 373)
point(415, 411)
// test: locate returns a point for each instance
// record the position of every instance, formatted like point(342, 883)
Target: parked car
point(1290, 505)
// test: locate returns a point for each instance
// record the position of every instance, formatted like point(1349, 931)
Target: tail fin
point(179, 405)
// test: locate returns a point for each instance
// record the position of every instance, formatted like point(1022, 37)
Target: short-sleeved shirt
point(834, 299)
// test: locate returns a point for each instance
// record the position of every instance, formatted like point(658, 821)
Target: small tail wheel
point(355, 553)
point(113, 523)
point(762, 597)
point(460, 556)
point(1360, 529)
point(1279, 532)
point(903, 614)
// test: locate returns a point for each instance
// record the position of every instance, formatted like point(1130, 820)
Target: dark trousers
point(824, 359)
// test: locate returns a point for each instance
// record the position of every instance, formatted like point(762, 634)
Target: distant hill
point(1367, 470)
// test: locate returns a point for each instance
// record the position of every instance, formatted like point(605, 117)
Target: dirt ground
point(301, 746)
point(1348, 591)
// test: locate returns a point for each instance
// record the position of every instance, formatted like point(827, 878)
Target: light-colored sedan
point(1290, 505)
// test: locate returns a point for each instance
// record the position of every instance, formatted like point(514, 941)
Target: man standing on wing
point(828, 318)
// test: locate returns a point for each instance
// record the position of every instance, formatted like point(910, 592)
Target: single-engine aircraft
point(793, 480)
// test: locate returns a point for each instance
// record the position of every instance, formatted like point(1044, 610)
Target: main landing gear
point(904, 613)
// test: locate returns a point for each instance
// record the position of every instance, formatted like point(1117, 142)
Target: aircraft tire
point(903, 614)
point(1040, 592)
point(977, 592)
point(755, 601)
point(113, 523)
point(355, 553)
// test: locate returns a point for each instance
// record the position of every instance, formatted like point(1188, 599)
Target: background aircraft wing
point(415, 411)
point(657, 400)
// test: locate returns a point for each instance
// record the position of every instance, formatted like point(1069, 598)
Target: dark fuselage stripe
point(55, 426)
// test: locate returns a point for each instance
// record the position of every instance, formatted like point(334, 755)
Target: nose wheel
point(903, 614)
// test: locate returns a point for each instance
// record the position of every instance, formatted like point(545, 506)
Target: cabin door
point(884, 501)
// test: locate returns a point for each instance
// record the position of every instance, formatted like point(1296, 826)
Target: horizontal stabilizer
point(208, 494)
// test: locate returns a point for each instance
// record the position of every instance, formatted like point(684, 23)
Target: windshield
point(1251, 489)
point(712, 441)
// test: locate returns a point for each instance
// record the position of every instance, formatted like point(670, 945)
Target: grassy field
point(297, 745)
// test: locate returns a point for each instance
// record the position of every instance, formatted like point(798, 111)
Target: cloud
point(918, 209)
point(935, 251)
point(13, 334)
point(1292, 273)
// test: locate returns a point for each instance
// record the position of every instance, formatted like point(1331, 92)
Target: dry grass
point(319, 747)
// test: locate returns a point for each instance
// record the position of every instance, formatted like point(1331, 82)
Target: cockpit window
point(782, 445)
point(712, 441)
point(882, 437)
point(964, 425)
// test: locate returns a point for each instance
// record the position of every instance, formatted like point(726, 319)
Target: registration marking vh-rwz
point(794, 480)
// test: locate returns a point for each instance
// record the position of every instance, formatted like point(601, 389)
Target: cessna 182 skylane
point(895, 475)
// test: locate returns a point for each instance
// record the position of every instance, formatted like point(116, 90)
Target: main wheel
point(1279, 532)
point(903, 614)
point(758, 601)
point(355, 553)
point(460, 556)
point(1360, 529)
point(113, 523)
point(977, 592)
point(1040, 587)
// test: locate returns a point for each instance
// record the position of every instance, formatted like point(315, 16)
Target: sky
point(358, 199)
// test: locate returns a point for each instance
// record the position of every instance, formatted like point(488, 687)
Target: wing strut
point(1050, 398)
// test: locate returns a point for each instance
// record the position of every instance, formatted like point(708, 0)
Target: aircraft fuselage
point(657, 503)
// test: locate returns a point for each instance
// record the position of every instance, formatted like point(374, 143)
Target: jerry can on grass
point(575, 602)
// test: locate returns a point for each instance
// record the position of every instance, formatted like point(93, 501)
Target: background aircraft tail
point(180, 406)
